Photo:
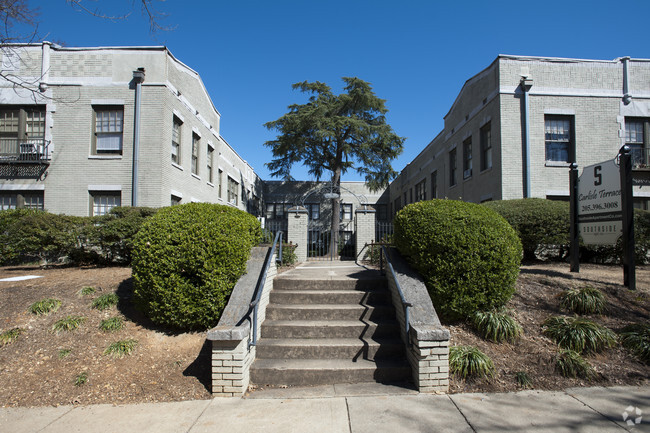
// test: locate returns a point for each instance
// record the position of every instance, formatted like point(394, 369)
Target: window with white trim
point(345, 212)
point(22, 199)
point(467, 158)
point(486, 147)
point(209, 163)
point(176, 140)
point(104, 201)
point(314, 210)
point(196, 140)
point(558, 136)
point(421, 190)
point(233, 189)
point(109, 129)
point(637, 130)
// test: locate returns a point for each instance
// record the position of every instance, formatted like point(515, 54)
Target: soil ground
point(168, 366)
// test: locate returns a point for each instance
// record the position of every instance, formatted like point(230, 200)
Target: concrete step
point(372, 297)
point(332, 348)
point(329, 329)
point(329, 312)
point(301, 372)
point(375, 282)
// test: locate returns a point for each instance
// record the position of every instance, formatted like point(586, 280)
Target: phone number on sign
point(599, 206)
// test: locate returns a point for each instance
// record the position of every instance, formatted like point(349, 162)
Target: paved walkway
point(340, 408)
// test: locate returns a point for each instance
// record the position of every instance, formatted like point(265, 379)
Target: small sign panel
point(600, 209)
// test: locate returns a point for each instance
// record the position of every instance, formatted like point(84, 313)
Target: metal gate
point(319, 239)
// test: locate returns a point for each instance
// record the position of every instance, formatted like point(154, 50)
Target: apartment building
point(85, 129)
point(515, 127)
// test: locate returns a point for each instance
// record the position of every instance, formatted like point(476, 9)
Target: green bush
point(28, 235)
point(538, 222)
point(570, 364)
point(469, 361)
point(186, 261)
point(578, 334)
point(496, 326)
point(636, 339)
point(288, 254)
point(468, 255)
point(583, 300)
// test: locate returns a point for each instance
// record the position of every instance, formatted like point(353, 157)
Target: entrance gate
point(319, 204)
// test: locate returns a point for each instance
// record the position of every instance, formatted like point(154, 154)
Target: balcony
point(23, 158)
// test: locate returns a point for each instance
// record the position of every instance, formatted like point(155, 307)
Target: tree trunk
point(336, 217)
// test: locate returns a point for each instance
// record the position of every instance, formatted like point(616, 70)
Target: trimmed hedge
point(537, 221)
point(28, 235)
point(468, 255)
point(186, 261)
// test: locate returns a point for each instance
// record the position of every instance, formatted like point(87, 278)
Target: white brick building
point(68, 145)
point(576, 110)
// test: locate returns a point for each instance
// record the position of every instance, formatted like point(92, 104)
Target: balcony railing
point(31, 150)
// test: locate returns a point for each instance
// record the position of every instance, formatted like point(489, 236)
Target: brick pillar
point(365, 227)
point(297, 231)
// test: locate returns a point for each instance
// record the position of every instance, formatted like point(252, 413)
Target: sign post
point(629, 271)
point(573, 208)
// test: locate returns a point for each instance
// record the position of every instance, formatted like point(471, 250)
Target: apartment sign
point(600, 208)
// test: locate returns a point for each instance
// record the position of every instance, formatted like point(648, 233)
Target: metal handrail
point(260, 286)
point(24, 150)
point(406, 305)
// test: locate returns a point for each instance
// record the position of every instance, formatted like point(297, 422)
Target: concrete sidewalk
point(370, 409)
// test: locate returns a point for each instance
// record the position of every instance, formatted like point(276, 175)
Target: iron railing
point(25, 150)
point(260, 285)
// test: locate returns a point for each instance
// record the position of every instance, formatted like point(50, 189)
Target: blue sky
point(416, 54)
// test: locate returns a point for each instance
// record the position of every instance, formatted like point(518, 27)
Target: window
point(452, 167)
point(195, 154)
point(398, 205)
point(467, 158)
point(559, 139)
point(277, 210)
point(410, 195)
point(176, 140)
point(345, 212)
point(219, 180)
point(18, 200)
point(636, 137)
point(314, 210)
point(421, 190)
point(109, 126)
point(209, 163)
point(175, 200)
point(405, 199)
point(8, 201)
point(486, 147)
point(233, 189)
point(104, 201)
point(22, 129)
point(434, 184)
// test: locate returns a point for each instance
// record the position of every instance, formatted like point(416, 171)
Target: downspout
point(627, 97)
point(526, 83)
point(138, 79)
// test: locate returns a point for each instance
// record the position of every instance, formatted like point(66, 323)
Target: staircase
point(326, 323)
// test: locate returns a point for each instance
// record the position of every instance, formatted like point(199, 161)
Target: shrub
point(570, 364)
point(112, 234)
point(468, 255)
point(288, 254)
point(538, 222)
point(121, 348)
point(636, 338)
point(105, 301)
point(578, 334)
point(583, 300)
point(28, 235)
point(9, 336)
point(523, 379)
point(111, 325)
point(88, 290)
point(469, 361)
point(186, 261)
point(45, 307)
point(81, 379)
point(68, 324)
point(496, 326)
